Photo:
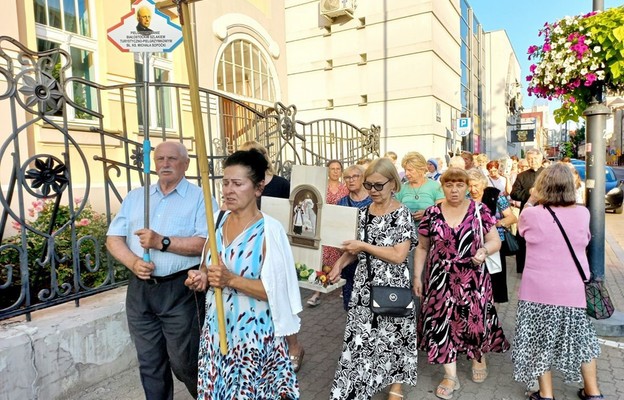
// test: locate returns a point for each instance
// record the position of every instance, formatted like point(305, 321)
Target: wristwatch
point(165, 243)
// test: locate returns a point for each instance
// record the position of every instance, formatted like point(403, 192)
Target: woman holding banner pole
point(260, 292)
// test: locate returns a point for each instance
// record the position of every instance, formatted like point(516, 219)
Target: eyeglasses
point(352, 177)
point(378, 186)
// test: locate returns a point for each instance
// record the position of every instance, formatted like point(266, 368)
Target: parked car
point(614, 198)
point(610, 178)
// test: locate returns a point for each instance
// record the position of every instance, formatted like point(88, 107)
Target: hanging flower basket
point(577, 53)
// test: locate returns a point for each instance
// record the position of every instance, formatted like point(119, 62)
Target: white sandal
point(399, 395)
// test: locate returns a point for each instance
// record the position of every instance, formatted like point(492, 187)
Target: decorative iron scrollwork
point(286, 119)
point(370, 139)
point(43, 91)
point(137, 156)
point(49, 176)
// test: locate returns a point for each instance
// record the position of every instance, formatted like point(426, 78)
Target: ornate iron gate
point(58, 253)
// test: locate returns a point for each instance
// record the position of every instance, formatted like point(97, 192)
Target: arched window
point(243, 70)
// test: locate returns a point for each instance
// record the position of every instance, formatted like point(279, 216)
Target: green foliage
point(566, 149)
point(579, 137)
point(90, 238)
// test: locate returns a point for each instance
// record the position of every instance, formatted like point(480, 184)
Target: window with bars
point(58, 21)
point(244, 70)
point(161, 102)
point(67, 15)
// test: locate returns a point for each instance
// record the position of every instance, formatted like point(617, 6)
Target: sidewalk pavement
point(323, 327)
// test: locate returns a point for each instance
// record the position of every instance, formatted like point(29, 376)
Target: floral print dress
point(332, 254)
point(377, 350)
point(256, 365)
point(457, 313)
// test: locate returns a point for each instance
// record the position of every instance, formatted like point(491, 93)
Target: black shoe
point(537, 396)
point(581, 394)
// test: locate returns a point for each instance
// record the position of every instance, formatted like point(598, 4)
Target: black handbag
point(388, 301)
point(599, 304)
point(510, 242)
point(391, 301)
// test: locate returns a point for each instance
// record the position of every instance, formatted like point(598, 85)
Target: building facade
point(504, 98)
point(413, 66)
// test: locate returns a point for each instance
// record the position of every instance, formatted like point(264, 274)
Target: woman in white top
point(495, 179)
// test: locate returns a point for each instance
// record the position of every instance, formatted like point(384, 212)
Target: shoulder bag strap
point(204, 249)
point(219, 218)
point(368, 266)
point(480, 223)
point(576, 261)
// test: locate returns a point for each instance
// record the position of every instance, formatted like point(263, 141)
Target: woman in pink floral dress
point(336, 190)
point(457, 313)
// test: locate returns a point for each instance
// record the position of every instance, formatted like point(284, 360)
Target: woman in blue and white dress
point(260, 295)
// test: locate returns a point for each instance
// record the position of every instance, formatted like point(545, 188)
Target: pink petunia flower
point(83, 222)
point(589, 79)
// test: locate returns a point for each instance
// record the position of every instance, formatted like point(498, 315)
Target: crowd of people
point(422, 227)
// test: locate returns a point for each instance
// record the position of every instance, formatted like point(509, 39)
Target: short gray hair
point(475, 174)
point(535, 151)
point(182, 150)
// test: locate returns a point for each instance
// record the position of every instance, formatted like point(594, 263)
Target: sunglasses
point(378, 186)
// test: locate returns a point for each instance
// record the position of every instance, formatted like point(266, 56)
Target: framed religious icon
point(305, 208)
point(311, 224)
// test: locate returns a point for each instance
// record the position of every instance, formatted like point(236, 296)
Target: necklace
point(416, 193)
point(226, 243)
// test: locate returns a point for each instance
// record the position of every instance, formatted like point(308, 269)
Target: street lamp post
point(596, 114)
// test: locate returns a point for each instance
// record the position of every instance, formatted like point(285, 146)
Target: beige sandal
point(446, 392)
point(479, 375)
point(297, 360)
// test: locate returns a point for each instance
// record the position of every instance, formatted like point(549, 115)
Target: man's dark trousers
point(163, 323)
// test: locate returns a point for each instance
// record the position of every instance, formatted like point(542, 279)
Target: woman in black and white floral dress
point(377, 350)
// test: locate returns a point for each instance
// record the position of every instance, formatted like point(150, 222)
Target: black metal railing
point(69, 162)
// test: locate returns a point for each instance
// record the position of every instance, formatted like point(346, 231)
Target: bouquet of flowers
point(577, 52)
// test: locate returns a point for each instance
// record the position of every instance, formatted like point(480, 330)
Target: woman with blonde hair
point(481, 161)
point(553, 330)
point(378, 350)
point(457, 162)
point(418, 192)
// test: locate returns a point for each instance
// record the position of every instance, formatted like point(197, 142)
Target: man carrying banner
point(163, 313)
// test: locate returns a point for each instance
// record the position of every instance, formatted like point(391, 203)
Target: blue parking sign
point(464, 126)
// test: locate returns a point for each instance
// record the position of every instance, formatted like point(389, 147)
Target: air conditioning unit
point(335, 8)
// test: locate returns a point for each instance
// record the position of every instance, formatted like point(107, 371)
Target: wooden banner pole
point(200, 143)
